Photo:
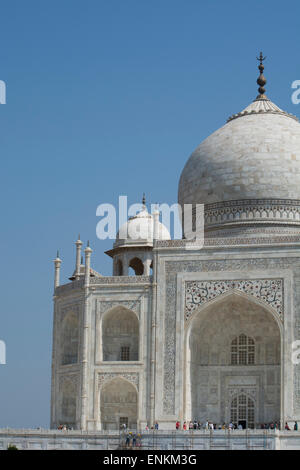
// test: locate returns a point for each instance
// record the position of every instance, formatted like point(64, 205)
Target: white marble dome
point(247, 173)
point(256, 154)
point(139, 229)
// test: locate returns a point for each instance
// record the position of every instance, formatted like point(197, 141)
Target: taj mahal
point(201, 334)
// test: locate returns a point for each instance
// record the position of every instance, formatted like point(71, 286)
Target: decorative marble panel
point(270, 291)
point(134, 305)
point(120, 280)
point(250, 391)
point(106, 376)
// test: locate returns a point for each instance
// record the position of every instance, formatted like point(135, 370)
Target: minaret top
point(144, 200)
point(261, 81)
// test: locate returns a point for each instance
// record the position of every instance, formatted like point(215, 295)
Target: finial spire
point(261, 81)
point(144, 200)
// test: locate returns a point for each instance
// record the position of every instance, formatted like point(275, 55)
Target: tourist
point(296, 426)
point(177, 425)
point(156, 425)
point(138, 440)
point(147, 428)
point(184, 426)
point(195, 424)
point(286, 427)
point(191, 427)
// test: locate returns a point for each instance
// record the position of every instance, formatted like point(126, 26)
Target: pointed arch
point(242, 410)
point(209, 334)
point(70, 339)
point(250, 298)
point(120, 335)
point(68, 403)
point(137, 265)
point(118, 404)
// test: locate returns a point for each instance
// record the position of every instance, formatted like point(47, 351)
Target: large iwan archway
point(233, 349)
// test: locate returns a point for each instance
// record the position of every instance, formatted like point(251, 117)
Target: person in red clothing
point(177, 425)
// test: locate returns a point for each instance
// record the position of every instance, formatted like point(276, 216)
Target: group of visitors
point(197, 425)
point(133, 439)
point(271, 426)
point(64, 427)
point(287, 428)
point(208, 425)
point(155, 427)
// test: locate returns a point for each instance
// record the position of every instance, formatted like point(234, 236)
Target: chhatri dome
point(139, 229)
point(248, 171)
point(134, 243)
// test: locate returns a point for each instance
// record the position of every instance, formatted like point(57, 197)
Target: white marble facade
point(203, 334)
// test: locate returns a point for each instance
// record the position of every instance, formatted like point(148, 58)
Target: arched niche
point(137, 265)
point(242, 411)
point(68, 403)
point(211, 375)
point(70, 339)
point(120, 335)
point(118, 404)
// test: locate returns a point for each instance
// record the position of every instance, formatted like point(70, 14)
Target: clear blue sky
point(107, 98)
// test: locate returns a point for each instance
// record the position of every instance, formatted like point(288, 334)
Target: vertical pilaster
point(153, 320)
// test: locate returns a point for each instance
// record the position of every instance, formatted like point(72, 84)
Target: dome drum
point(230, 214)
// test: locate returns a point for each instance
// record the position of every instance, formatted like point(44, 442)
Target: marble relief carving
point(269, 291)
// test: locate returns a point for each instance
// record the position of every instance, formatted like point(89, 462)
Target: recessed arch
point(231, 292)
point(70, 339)
point(118, 404)
point(68, 403)
point(242, 410)
point(137, 265)
point(209, 374)
point(120, 335)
